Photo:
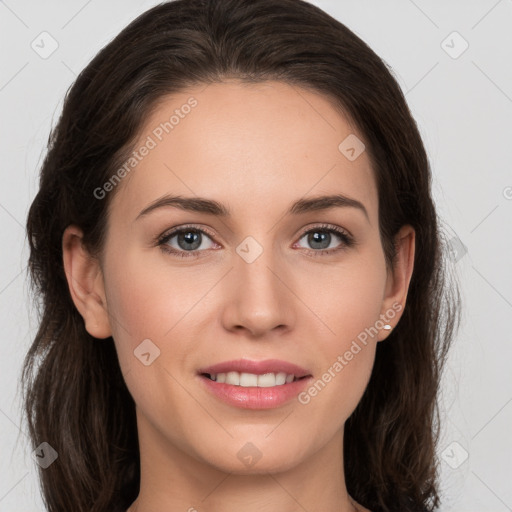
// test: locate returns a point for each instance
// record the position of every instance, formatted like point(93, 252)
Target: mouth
point(255, 384)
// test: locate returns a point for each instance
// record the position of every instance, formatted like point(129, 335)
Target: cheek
point(340, 382)
point(147, 298)
point(348, 299)
point(349, 305)
point(150, 300)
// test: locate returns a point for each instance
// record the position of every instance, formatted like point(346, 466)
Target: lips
point(256, 368)
point(254, 384)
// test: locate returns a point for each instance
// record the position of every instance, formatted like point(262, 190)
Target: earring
point(387, 327)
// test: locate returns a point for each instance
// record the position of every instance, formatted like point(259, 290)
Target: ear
point(85, 281)
point(397, 284)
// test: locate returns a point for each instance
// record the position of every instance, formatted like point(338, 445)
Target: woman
point(240, 266)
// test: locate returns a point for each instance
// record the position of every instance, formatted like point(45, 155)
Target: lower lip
point(255, 397)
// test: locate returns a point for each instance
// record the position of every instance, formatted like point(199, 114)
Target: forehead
point(250, 146)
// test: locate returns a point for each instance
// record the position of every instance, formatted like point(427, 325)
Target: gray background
point(462, 101)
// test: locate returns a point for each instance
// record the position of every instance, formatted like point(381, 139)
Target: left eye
point(320, 238)
point(188, 240)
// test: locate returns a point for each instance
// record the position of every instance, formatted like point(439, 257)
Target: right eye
point(188, 239)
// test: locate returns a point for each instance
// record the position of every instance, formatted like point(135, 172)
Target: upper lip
point(256, 367)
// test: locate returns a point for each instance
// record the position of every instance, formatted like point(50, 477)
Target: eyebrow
point(210, 206)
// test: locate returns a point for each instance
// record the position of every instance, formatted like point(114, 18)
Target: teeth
point(233, 378)
point(246, 380)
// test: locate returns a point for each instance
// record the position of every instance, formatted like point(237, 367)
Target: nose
point(259, 296)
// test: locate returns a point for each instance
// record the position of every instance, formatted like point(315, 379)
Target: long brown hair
point(74, 393)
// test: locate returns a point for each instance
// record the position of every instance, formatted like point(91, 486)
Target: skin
point(255, 148)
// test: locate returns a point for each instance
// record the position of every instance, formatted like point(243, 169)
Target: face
point(277, 277)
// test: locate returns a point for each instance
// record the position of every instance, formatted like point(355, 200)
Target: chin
point(253, 458)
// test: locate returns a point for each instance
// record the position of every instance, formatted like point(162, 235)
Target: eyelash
point(347, 240)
